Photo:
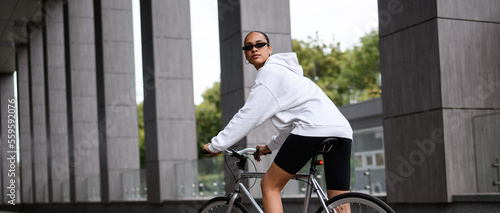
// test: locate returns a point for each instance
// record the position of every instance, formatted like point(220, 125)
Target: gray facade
point(169, 116)
point(25, 128)
point(117, 108)
point(439, 70)
point(76, 93)
point(77, 116)
point(57, 111)
point(82, 101)
point(7, 117)
point(39, 118)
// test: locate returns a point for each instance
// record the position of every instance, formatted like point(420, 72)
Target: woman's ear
point(270, 49)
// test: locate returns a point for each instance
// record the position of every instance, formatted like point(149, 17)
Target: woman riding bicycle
point(303, 115)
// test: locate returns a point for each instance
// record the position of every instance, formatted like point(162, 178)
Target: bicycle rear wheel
point(353, 202)
point(220, 204)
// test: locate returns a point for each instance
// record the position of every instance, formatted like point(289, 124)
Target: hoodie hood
point(288, 60)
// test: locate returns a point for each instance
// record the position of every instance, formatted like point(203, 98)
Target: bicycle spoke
point(219, 205)
point(357, 203)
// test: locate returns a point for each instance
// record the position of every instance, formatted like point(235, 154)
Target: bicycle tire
point(358, 202)
point(219, 204)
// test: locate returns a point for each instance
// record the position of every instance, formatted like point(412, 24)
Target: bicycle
point(347, 202)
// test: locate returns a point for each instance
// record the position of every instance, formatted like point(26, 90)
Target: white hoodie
point(293, 102)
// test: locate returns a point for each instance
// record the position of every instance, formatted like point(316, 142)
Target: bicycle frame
point(312, 183)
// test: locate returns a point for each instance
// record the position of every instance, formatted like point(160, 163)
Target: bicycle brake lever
point(257, 152)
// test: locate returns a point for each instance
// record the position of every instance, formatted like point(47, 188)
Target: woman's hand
point(210, 153)
point(263, 150)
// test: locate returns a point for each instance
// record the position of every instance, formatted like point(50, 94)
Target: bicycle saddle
point(327, 145)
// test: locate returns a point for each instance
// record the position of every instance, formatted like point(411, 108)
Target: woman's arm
point(259, 107)
point(278, 140)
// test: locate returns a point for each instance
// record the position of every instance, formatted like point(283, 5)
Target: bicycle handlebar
point(204, 151)
point(240, 153)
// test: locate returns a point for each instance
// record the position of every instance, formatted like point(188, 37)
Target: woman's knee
point(274, 179)
point(264, 183)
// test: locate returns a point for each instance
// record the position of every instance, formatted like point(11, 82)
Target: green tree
point(208, 116)
point(346, 77)
point(142, 145)
point(321, 64)
point(361, 67)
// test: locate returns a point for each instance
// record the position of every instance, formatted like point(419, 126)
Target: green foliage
point(362, 68)
point(208, 116)
point(346, 77)
point(142, 145)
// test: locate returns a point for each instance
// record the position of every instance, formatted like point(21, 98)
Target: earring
point(247, 62)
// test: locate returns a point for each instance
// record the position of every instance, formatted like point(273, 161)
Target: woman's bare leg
point(341, 209)
point(271, 184)
point(333, 193)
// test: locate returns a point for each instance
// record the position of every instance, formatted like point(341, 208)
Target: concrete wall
point(38, 104)
point(56, 105)
point(82, 101)
point(10, 183)
point(169, 114)
point(25, 128)
point(117, 108)
point(438, 72)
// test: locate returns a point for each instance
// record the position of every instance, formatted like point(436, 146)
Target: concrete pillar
point(118, 141)
point(57, 108)
point(10, 182)
point(38, 104)
point(169, 115)
point(82, 101)
point(236, 20)
point(439, 70)
point(25, 127)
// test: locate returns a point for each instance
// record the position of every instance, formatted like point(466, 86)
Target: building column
point(119, 140)
point(83, 132)
point(25, 127)
point(169, 114)
point(235, 22)
point(439, 70)
point(38, 104)
point(10, 182)
point(57, 109)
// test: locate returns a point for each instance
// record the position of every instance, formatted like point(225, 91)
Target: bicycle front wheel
point(220, 204)
point(353, 202)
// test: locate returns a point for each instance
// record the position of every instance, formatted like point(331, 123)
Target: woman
point(303, 115)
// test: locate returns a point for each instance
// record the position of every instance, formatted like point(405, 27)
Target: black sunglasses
point(258, 45)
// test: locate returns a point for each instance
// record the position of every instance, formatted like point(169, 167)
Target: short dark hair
point(255, 31)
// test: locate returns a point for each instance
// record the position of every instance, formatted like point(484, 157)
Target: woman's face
point(257, 56)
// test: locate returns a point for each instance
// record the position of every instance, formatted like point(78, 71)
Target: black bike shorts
point(297, 150)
